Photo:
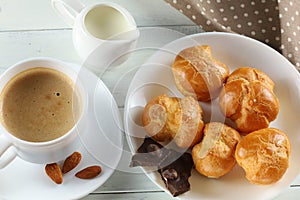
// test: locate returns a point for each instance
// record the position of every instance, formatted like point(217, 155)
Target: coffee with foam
point(39, 105)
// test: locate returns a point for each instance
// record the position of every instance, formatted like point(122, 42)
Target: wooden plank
point(289, 194)
point(130, 196)
point(16, 46)
point(127, 182)
point(37, 14)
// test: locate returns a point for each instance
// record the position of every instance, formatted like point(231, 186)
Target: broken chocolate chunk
point(149, 145)
point(176, 174)
point(144, 159)
point(174, 167)
point(150, 153)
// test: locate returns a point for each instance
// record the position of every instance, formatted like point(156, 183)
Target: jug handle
point(67, 9)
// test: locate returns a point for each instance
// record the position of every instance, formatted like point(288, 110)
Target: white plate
point(23, 180)
point(155, 77)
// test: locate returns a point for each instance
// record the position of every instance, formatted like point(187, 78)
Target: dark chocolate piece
point(149, 145)
point(176, 174)
point(174, 167)
point(150, 153)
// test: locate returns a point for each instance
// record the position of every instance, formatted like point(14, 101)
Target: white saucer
point(23, 180)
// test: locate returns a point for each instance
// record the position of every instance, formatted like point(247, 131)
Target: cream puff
point(170, 118)
point(214, 155)
point(198, 74)
point(248, 99)
point(264, 155)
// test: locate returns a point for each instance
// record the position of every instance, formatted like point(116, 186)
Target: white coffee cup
point(49, 151)
point(103, 33)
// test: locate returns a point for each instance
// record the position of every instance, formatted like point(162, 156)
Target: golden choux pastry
point(171, 118)
point(198, 74)
point(214, 155)
point(264, 155)
point(248, 99)
point(251, 74)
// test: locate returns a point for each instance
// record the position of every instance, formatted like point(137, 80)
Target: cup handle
point(67, 9)
point(7, 152)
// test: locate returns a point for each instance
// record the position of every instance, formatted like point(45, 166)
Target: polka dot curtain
point(274, 22)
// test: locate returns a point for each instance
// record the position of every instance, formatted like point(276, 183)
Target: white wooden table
point(31, 28)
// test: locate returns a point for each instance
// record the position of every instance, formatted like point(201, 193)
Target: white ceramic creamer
point(103, 33)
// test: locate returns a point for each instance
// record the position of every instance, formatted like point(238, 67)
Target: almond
point(71, 162)
point(89, 172)
point(54, 172)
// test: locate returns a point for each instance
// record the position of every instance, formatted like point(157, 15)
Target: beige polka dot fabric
point(274, 22)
